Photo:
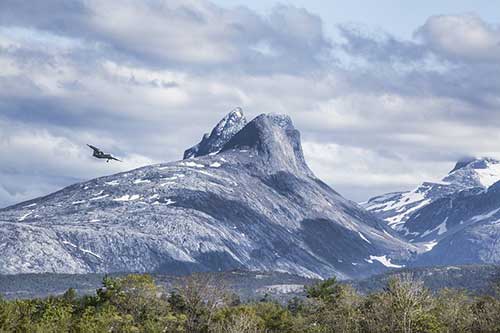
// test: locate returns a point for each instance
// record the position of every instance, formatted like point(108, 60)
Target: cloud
point(379, 46)
point(194, 35)
point(376, 113)
point(462, 37)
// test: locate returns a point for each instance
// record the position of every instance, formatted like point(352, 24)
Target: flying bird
point(99, 154)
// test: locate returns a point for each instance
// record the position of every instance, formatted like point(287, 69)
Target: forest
point(135, 303)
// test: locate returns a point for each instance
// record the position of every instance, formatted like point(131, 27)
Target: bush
point(134, 303)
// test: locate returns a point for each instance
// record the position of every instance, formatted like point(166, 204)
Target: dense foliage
point(134, 303)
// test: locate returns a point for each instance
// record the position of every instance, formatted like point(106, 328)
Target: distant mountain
point(462, 228)
point(244, 198)
point(396, 208)
point(456, 221)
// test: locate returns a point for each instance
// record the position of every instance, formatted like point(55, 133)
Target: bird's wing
point(114, 158)
point(97, 150)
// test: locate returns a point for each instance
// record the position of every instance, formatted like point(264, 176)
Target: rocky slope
point(455, 221)
point(396, 208)
point(462, 228)
point(246, 200)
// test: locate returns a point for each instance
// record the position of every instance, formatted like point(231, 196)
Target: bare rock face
point(231, 124)
point(246, 199)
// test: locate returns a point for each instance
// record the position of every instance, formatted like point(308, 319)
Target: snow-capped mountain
point(396, 208)
point(454, 221)
point(246, 199)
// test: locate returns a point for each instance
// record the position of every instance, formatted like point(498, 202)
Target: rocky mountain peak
point(225, 129)
point(273, 138)
point(475, 172)
point(463, 162)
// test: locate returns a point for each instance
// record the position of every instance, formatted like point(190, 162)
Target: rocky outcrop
point(211, 143)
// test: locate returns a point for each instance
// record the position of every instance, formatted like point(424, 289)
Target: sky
point(385, 95)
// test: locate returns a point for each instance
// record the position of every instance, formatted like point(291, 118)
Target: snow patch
point(192, 164)
point(441, 229)
point(484, 216)
point(112, 183)
point(363, 237)
point(490, 175)
point(91, 253)
point(78, 202)
point(215, 165)
point(99, 197)
point(70, 244)
point(80, 249)
point(127, 197)
point(384, 261)
point(141, 181)
point(22, 218)
point(429, 245)
point(28, 206)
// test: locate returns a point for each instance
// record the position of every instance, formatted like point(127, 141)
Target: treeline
point(134, 303)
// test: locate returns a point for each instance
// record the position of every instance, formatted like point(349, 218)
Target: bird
point(99, 154)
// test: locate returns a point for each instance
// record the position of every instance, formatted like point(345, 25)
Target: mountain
point(246, 199)
point(456, 221)
point(220, 135)
point(396, 208)
point(462, 228)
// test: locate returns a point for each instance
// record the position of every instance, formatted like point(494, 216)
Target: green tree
point(408, 304)
point(327, 291)
point(486, 311)
point(275, 318)
point(454, 310)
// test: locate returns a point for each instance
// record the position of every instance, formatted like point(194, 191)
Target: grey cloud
point(381, 47)
point(195, 36)
point(428, 69)
point(462, 38)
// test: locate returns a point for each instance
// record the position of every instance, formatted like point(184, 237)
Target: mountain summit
point(245, 199)
point(275, 140)
point(231, 124)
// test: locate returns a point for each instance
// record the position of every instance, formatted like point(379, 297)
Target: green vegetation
point(134, 303)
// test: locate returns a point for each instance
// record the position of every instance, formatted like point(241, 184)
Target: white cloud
point(465, 37)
